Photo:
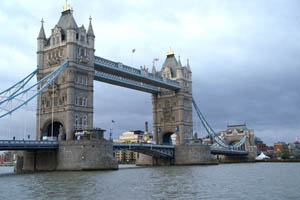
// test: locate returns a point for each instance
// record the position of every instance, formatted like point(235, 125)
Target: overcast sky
point(244, 55)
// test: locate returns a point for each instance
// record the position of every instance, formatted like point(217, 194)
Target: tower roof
point(171, 63)
point(42, 34)
point(67, 21)
point(90, 29)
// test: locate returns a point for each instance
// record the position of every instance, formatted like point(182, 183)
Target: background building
point(131, 137)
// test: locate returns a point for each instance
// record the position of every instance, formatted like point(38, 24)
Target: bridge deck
point(118, 69)
point(228, 152)
point(148, 149)
point(27, 145)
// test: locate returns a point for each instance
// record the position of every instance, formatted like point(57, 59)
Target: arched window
point(76, 101)
point(85, 121)
point(83, 101)
point(80, 122)
point(76, 120)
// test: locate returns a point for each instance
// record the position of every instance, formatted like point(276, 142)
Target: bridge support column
point(70, 156)
point(145, 160)
point(252, 153)
point(86, 155)
point(194, 155)
point(36, 160)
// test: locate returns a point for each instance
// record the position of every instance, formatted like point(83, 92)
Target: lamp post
point(111, 130)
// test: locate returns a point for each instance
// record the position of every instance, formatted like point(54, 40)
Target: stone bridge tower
point(69, 105)
point(172, 111)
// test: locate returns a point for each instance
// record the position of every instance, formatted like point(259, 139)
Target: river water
point(257, 181)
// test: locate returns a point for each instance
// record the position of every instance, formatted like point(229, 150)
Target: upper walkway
point(114, 70)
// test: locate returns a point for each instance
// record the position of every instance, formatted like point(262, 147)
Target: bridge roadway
point(148, 149)
point(27, 145)
point(123, 75)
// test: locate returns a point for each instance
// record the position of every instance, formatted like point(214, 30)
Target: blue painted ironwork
point(120, 69)
point(42, 84)
point(228, 152)
point(213, 135)
point(19, 85)
point(27, 145)
point(166, 151)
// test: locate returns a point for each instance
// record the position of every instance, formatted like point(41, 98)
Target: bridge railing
point(142, 73)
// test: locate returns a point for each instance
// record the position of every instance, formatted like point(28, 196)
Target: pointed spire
point(67, 7)
point(153, 69)
point(179, 62)
point(188, 65)
point(90, 29)
point(42, 35)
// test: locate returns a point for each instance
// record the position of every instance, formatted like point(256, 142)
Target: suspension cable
point(52, 108)
point(40, 105)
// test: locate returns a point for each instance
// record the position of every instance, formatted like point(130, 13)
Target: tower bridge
point(65, 103)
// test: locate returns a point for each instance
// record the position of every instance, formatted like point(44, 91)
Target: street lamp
point(111, 130)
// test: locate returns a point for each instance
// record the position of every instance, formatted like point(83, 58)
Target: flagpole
point(132, 52)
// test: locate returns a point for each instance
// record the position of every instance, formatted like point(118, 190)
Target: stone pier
point(184, 155)
point(71, 156)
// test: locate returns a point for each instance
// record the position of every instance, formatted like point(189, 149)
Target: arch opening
point(169, 138)
point(53, 131)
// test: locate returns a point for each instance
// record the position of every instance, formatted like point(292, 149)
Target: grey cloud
point(245, 58)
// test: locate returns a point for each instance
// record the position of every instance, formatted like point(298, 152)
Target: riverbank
point(285, 160)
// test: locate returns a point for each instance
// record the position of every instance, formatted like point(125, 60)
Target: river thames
point(225, 181)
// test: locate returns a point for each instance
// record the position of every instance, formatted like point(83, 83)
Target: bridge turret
point(90, 34)
point(41, 41)
point(172, 110)
point(72, 100)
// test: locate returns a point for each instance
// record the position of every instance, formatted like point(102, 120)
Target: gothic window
point(82, 38)
point(53, 41)
point(81, 52)
point(85, 121)
point(85, 80)
point(80, 101)
point(63, 37)
point(60, 101)
point(47, 104)
point(76, 120)
point(83, 102)
point(57, 40)
point(77, 36)
point(80, 121)
point(63, 99)
point(76, 101)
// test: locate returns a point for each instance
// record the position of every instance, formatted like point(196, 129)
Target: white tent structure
point(262, 156)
